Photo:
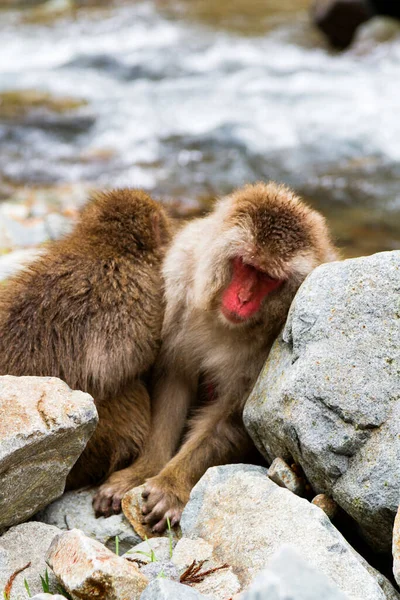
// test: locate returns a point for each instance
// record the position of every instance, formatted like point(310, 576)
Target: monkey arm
point(171, 401)
point(217, 437)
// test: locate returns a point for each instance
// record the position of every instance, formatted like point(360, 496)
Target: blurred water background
point(189, 99)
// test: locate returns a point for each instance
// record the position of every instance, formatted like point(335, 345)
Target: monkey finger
point(153, 497)
point(156, 513)
point(173, 515)
point(116, 504)
point(160, 526)
point(102, 504)
point(175, 520)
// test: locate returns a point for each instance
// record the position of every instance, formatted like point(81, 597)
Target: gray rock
point(164, 589)
point(221, 584)
point(164, 569)
point(74, 511)
point(157, 548)
point(247, 517)
point(289, 577)
point(283, 475)
point(19, 546)
point(44, 426)
point(329, 395)
point(187, 550)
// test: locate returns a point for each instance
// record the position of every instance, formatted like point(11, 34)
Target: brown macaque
point(90, 310)
point(230, 278)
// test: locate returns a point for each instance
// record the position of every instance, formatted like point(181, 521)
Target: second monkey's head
point(262, 243)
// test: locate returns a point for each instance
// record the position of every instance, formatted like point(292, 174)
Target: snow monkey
point(230, 278)
point(90, 310)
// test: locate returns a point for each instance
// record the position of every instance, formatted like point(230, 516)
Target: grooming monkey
point(230, 278)
point(90, 312)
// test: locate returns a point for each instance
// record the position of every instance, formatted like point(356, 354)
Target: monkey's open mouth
point(248, 288)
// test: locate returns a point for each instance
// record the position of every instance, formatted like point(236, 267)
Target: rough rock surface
point(44, 426)
point(289, 577)
point(160, 569)
point(132, 504)
point(74, 511)
point(247, 517)
point(329, 395)
point(221, 584)
point(164, 589)
point(157, 548)
point(19, 546)
point(283, 475)
point(87, 569)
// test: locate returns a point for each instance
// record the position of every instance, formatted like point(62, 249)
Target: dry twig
point(9, 584)
point(193, 573)
point(140, 563)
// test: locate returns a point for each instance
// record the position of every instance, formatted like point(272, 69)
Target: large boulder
point(329, 395)
point(44, 426)
point(246, 517)
point(23, 552)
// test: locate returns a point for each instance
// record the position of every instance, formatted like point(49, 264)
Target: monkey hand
point(107, 500)
point(164, 498)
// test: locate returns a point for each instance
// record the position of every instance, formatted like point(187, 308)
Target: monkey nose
point(244, 296)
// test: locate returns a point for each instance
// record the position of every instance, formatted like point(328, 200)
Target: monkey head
point(263, 241)
point(129, 221)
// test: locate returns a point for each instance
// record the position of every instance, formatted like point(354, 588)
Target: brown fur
point(90, 312)
point(269, 227)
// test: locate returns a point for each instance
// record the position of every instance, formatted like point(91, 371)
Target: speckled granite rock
point(19, 546)
point(221, 584)
point(247, 517)
point(44, 426)
point(329, 395)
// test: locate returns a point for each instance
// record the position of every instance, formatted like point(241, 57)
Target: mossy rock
point(18, 104)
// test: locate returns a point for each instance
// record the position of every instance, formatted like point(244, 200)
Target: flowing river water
point(190, 99)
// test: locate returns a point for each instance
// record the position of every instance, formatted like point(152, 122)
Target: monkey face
point(243, 297)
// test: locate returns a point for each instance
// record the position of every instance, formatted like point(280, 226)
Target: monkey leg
point(217, 437)
point(159, 445)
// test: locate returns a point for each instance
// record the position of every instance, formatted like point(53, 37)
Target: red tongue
point(246, 291)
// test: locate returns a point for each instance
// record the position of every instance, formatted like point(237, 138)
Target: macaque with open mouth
point(230, 278)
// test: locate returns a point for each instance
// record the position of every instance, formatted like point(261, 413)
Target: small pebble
point(327, 504)
point(284, 476)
